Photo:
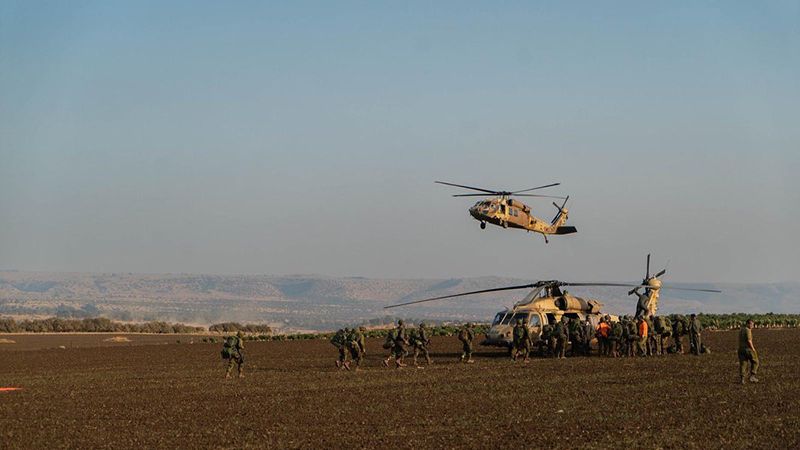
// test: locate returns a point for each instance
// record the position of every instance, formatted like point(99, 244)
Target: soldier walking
point(747, 353)
point(339, 340)
point(357, 346)
point(420, 342)
point(233, 351)
point(400, 341)
point(466, 336)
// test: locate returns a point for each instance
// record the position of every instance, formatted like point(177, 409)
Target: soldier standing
point(665, 333)
point(561, 333)
point(642, 333)
point(678, 330)
point(521, 342)
point(466, 335)
point(652, 342)
point(232, 350)
point(603, 330)
point(615, 337)
point(575, 336)
point(420, 342)
point(695, 339)
point(588, 332)
point(633, 337)
point(544, 340)
point(747, 353)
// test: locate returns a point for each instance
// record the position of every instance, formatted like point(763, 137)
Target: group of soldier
point(642, 336)
point(627, 337)
point(400, 343)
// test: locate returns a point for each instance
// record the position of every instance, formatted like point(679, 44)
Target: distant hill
point(320, 302)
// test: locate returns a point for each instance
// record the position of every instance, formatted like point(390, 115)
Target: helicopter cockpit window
point(511, 319)
point(534, 322)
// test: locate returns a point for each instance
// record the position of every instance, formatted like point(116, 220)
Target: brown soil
point(147, 396)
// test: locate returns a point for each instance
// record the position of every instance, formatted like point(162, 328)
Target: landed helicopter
point(502, 210)
point(545, 304)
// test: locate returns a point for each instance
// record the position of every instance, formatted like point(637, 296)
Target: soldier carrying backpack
point(232, 350)
point(339, 340)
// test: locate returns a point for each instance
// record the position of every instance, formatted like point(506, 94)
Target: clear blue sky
point(249, 137)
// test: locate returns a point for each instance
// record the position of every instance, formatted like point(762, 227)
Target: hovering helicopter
point(502, 210)
point(545, 304)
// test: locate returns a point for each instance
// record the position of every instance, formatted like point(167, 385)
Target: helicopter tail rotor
point(560, 211)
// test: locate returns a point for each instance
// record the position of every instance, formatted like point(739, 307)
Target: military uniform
point(233, 351)
point(575, 336)
point(400, 341)
point(339, 340)
point(521, 342)
point(633, 338)
point(615, 338)
point(357, 347)
point(747, 355)
point(466, 336)
point(544, 340)
point(420, 342)
point(695, 337)
point(561, 335)
point(588, 333)
point(652, 342)
point(678, 330)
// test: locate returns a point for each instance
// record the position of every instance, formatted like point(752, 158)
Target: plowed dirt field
point(153, 394)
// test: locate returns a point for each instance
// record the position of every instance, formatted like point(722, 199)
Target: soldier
point(588, 333)
point(400, 341)
point(389, 345)
point(544, 340)
point(678, 330)
point(561, 335)
point(232, 350)
point(633, 337)
point(747, 353)
point(339, 340)
point(663, 322)
point(420, 342)
point(575, 336)
point(356, 345)
point(466, 335)
point(652, 341)
point(695, 339)
point(521, 342)
point(614, 338)
point(642, 333)
point(603, 330)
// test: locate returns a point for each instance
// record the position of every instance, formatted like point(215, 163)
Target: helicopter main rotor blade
point(538, 195)
point(508, 288)
point(647, 274)
point(691, 289)
point(604, 284)
point(515, 195)
point(467, 187)
point(538, 187)
point(660, 273)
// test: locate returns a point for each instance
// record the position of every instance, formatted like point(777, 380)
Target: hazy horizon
point(304, 138)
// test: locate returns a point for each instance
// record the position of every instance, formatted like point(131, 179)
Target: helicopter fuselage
point(510, 213)
point(540, 312)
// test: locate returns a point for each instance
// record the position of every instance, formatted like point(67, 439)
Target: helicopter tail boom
point(566, 230)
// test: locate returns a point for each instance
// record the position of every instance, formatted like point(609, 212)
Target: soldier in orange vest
point(642, 337)
point(603, 330)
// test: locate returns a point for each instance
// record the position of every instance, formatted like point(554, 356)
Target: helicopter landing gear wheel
point(483, 225)
point(505, 224)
